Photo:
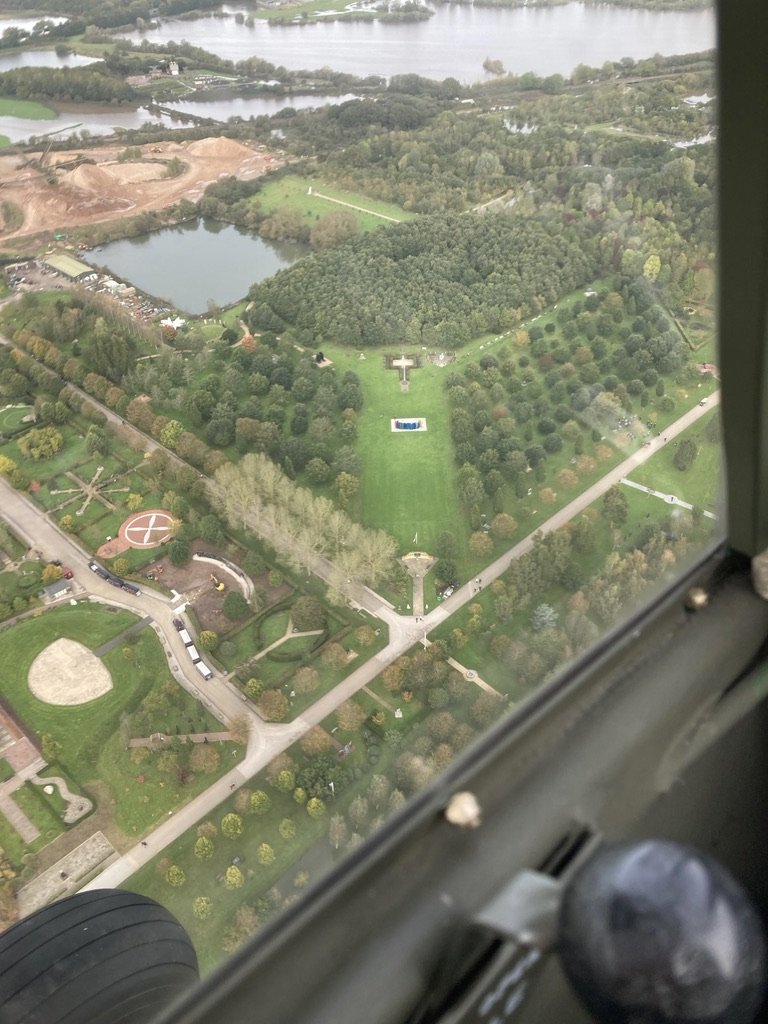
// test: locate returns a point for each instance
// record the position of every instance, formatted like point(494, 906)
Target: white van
point(203, 669)
point(192, 652)
point(185, 637)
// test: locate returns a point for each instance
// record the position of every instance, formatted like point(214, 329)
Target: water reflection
point(254, 106)
point(42, 59)
point(95, 122)
point(456, 40)
point(195, 264)
point(27, 24)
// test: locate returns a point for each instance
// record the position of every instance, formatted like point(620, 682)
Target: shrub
point(235, 606)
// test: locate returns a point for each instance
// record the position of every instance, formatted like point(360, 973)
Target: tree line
point(77, 85)
point(256, 496)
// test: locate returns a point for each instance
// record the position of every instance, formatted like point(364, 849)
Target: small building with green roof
point(67, 265)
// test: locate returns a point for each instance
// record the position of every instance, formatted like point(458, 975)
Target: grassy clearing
point(11, 107)
point(11, 417)
point(698, 485)
point(408, 481)
point(291, 192)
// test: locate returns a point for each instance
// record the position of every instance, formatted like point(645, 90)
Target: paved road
point(226, 701)
point(612, 477)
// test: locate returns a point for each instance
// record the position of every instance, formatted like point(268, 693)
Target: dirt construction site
point(66, 189)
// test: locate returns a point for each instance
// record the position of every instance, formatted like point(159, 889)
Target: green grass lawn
point(11, 417)
point(698, 485)
point(79, 728)
point(92, 748)
point(11, 107)
point(272, 627)
point(291, 192)
point(408, 484)
point(245, 643)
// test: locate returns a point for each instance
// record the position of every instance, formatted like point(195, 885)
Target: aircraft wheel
point(100, 957)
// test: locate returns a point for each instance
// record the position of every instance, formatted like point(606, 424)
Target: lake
point(101, 121)
point(254, 106)
point(195, 263)
point(27, 23)
point(104, 120)
point(42, 59)
point(455, 41)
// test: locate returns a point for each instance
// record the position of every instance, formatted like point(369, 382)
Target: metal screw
point(696, 599)
point(463, 810)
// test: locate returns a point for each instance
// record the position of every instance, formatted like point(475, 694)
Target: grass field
point(92, 749)
point(699, 485)
point(25, 108)
point(408, 484)
point(78, 728)
point(11, 417)
point(291, 192)
point(279, 13)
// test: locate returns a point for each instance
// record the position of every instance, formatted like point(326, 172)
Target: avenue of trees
point(255, 495)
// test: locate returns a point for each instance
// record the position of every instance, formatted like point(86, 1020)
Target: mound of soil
point(104, 189)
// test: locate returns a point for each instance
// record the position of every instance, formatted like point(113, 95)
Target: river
point(195, 263)
point(455, 41)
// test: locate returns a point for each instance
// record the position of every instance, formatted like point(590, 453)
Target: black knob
point(656, 932)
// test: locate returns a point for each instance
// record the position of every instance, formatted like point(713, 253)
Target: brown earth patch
point(193, 580)
point(103, 189)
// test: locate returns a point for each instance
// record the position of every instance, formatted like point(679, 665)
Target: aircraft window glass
point(583, 445)
point(508, 441)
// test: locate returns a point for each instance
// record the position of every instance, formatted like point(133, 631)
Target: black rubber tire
point(101, 957)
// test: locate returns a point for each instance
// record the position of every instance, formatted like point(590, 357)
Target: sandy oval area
point(137, 171)
point(67, 673)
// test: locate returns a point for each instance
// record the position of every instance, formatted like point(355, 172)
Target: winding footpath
point(224, 700)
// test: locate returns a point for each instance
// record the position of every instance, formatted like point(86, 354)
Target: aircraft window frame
point(743, 271)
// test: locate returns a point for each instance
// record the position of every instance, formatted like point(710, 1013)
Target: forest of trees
point(437, 280)
point(111, 13)
point(76, 85)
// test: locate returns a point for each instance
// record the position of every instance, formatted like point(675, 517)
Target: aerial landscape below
point(342, 404)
